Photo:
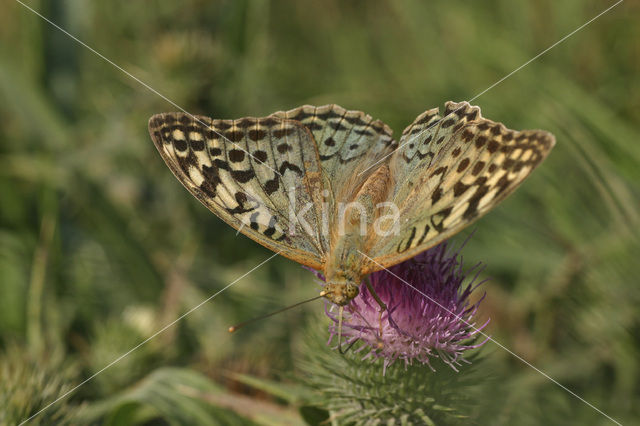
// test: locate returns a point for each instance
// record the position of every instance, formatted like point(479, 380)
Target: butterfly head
point(340, 293)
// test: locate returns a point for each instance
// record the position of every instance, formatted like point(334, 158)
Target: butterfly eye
point(352, 291)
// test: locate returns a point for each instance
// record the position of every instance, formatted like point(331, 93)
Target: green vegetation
point(100, 246)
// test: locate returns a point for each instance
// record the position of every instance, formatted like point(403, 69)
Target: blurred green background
point(100, 246)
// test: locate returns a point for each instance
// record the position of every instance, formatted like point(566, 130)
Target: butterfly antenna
point(242, 324)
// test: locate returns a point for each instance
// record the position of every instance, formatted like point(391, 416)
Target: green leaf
point(173, 394)
point(292, 393)
point(182, 396)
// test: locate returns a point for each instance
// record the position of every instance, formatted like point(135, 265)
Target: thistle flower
point(429, 313)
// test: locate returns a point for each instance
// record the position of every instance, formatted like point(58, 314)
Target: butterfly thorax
point(351, 235)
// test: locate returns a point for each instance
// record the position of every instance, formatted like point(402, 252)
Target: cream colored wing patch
point(454, 170)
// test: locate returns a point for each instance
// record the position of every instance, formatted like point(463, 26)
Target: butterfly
point(331, 189)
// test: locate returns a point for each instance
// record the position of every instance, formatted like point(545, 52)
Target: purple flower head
point(429, 313)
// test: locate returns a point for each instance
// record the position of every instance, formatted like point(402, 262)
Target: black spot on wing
point(271, 229)
point(253, 221)
point(241, 197)
point(448, 123)
point(355, 120)
point(467, 135)
point(459, 188)
point(269, 122)
point(437, 194)
point(337, 125)
point(472, 208)
point(197, 144)
point(243, 176)
point(236, 155)
point(211, 181)
point(284, 147)
point(271, 185)
point(285, 131)
point(400, 249)
point(314, 126)
point(245, 123)
point(493, 146)
point(463, 165)
point(437, 219)
point(234, 135)
point(240, 209)
point(424, 234)
point(426, 118)
point(302, 115)
point(260, 156)
point(256, 134)
point(478, 168)
point(364, 132)
point(328, 157)
point(324, 116)
point(180, 145)
point(221, 164)
point(426, 154)
point(289, 166)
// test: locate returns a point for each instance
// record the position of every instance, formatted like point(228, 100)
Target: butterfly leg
point(383, 307)
point(340, 313)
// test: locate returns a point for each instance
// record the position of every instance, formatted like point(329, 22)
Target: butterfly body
point(332, 190)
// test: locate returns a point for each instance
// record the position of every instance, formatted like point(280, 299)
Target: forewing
point(459, 167)
point(242, 171)
point(349, 142)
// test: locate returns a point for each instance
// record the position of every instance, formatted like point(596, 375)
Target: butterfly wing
point(450, 171)
point(241, 170)
point(349, 142)
point(257, 174)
